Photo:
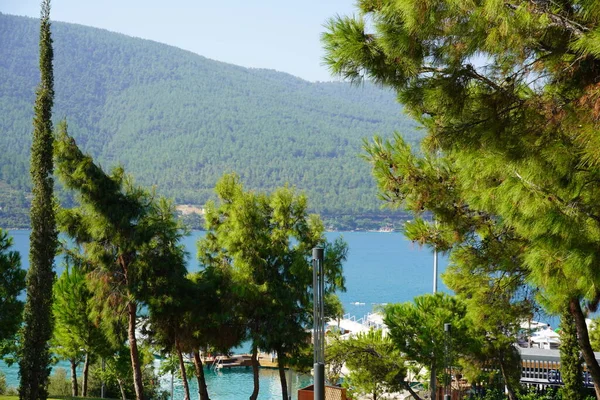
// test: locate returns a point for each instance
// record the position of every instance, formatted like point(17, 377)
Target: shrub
point(60, 384)
point(12, 391)
point(2, 383)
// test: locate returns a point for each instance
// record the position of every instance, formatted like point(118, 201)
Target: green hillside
point(178, 120)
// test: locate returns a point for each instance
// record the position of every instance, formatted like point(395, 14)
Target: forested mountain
point(179, 121)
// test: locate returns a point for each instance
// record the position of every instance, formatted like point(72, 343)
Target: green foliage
point(171, 317)
point(71, 311)
point(376, 366)
point(59, 384)
point(571, 363)
point(498, 118)
point(534, 394)
point(508, 94)
point(14, 207)
point(494, 394)
point(34, 363)
point(417, 330)
point(595, 334)
point(77, 332)
point(333, 308)
point(265, 242)
point(12, 283)
point(2, 383)
point(130, 241)
point(179, 121)
point(118, 375)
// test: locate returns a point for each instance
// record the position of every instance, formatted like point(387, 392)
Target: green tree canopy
point(508, 90)
point(486, 268)
point(417, 329)
point(375, 364)
point(78, 333)
point(267, 241)
point(129, 239)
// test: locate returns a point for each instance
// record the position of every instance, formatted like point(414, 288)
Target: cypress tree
point(571, 368)
point(37, 331)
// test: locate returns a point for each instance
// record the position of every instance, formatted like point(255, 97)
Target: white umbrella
point(533, 325)
point(547, 333)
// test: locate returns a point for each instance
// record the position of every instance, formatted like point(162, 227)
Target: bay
point(382, 268)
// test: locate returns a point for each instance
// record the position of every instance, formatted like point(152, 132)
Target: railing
point(364, 320)
point(217, 363)
point(546, 373)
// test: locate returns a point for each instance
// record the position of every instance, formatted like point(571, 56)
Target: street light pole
point(435, 269)
point(318, 324)
point(448, 330)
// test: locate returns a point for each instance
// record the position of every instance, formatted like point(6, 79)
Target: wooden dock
point(240, 360)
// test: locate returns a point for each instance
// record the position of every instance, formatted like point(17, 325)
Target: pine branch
point(468, 70)
point(562, 203)
point(557, 19)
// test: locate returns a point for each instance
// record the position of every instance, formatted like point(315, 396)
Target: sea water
point(382, 268)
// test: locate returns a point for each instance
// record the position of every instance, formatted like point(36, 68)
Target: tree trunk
point(282, 377)
point(410, 390)
point(133, 351)
point(202, 390)
point(186, 386)
point(511, 393)
point(74, 388)
point(86, 370)
point(584, 342)
point(255, 366)
point(103, 386)
point(432, 383)
point(122, 389)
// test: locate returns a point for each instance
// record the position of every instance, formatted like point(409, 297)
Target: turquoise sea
point(382, 268)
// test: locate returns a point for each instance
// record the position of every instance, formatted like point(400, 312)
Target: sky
point(276, 34)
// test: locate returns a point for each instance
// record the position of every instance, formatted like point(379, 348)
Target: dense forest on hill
point(179, 121)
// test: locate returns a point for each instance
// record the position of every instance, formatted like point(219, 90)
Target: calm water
point(381, 268)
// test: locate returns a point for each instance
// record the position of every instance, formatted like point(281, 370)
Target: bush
point(59, 384)
point(494, 394)
point(2, 383)
point(12, 391)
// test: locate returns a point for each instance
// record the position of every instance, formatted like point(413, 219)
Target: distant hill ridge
point(178, 120)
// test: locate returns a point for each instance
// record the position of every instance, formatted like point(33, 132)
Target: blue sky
point(275, 34)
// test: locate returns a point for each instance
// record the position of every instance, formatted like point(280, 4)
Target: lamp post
point(433, 377)
point(448, 330)
point(435, 268)
point(318, 324)
point(435, 259)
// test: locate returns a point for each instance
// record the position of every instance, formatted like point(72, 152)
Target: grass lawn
point(17, 398)
point(54, 398)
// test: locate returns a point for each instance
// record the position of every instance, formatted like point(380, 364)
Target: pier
point(265, 360)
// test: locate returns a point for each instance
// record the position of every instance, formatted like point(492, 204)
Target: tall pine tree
point(510, 91)
point(37, 332)
point(129, 239)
